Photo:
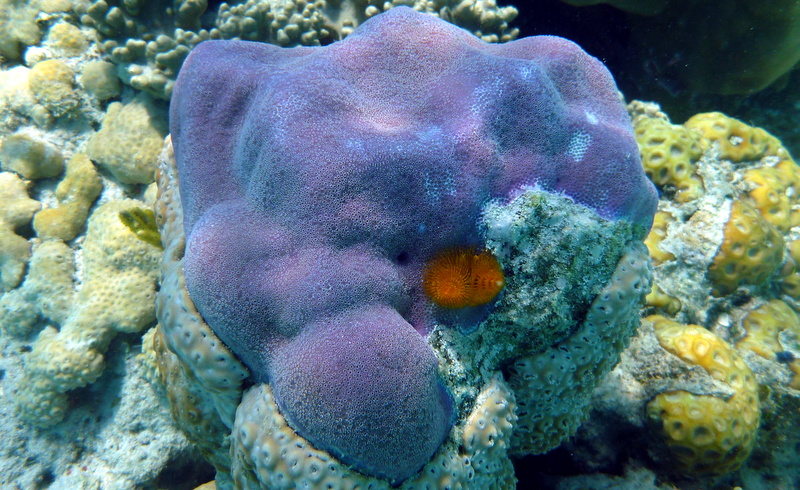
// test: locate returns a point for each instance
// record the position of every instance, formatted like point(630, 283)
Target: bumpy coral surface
point(317, 182)
point(706, 434)
point(75, 194)
point(18, 27)
point(48, 291)
point(68, 39)
point(739, 230)
point(129, 141)
point(658, 232)
point(750, 253)
point(737, 141)
point(773, 329)
point(16, 210)
point(117, 295)
point(31, 157)
point(150, 40)
point(727, 261)
point(52, 83)
point(100, 79)
point(669, 153)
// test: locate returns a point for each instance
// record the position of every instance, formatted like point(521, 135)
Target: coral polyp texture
point(706, 435)
point(736, 233)
point(117, 294)
point(313, 191)
point(16, 210)
point(130, 140)
point(725, 290)
point(669, 153)
point(149, 41)
point(774, 329)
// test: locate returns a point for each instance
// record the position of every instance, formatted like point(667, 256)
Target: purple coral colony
point(317, 182)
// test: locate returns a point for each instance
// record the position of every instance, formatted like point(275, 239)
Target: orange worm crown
point(460, 277)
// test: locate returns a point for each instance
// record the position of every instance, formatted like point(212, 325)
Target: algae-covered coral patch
point(52, 82)
point(18, 28)
point(100, 79)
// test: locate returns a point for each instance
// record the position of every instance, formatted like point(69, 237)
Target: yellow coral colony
point(75, 194)
point(669, 153)
point(751, 250)
point(118, 295)
point(764, 326)
point(737, 141)
point(706, 435)
point(657, 234)
point(765, 204)
point(771, 189)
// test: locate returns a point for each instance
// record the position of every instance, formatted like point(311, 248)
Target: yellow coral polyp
point(669, 153)
point(752, 249)
point(706, 435)
point(771, 195)
point(662, 301)
point(657, 234)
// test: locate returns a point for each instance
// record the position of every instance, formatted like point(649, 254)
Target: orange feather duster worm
point(461, 277)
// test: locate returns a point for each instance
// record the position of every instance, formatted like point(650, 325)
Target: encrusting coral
point(736, 140)
point(117, 294)
point(657, 234)
point(52, 83)
point(68, 39)
point(706, 435)
point(726, 262)
point(130, 139)
point(100, 79)
point(75, 194)
point(772, 329)
point(669, 153)
point(47, 293)
point(751, 251)
point(16, 210)
point(18, 28)
point(150, 40)
point(737, 229)
point(30, 156)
